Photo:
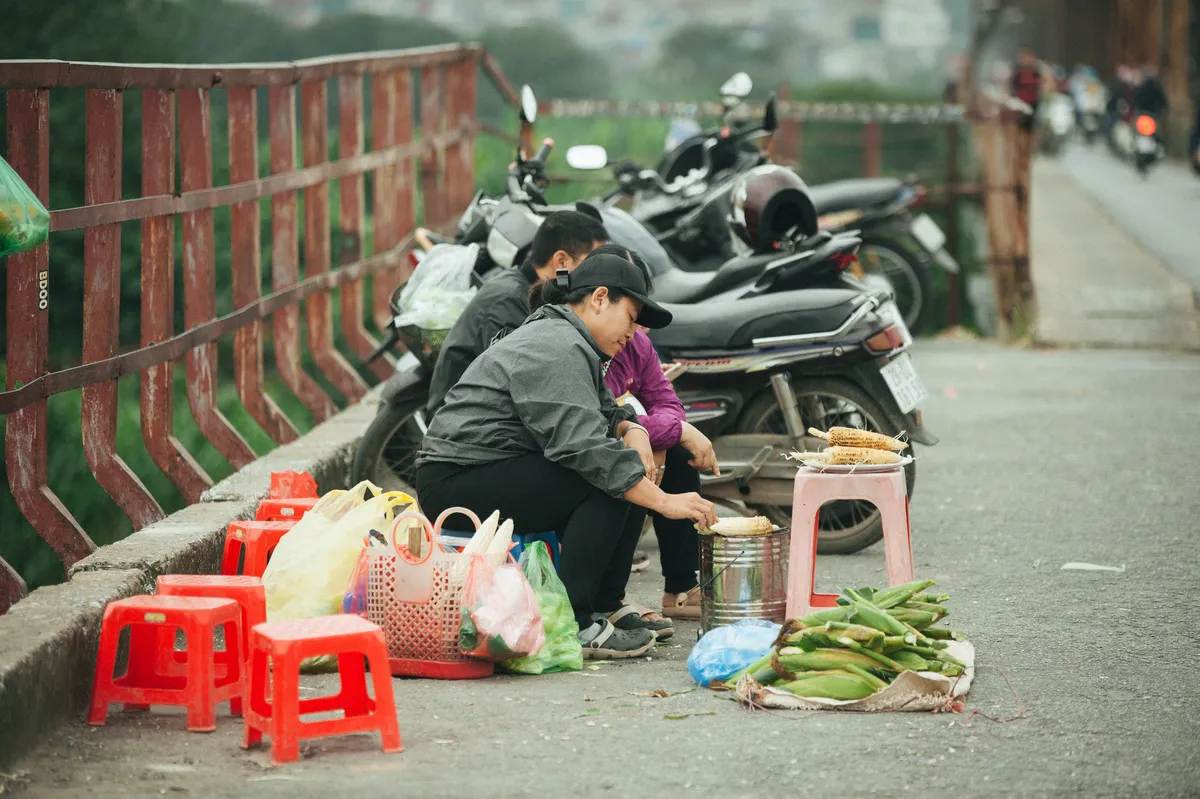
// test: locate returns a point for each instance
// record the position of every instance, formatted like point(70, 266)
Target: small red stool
point(200, 690)
point(292, 484)
point(885, 490)
point(257, 539)
point(248, 592)
point(287, 509)
point(286, 643)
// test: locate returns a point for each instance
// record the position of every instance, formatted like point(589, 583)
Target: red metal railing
point(446, 80)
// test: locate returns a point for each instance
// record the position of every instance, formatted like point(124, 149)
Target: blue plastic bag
point(726, 650)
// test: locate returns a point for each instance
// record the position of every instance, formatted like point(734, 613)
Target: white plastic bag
point(440, 288)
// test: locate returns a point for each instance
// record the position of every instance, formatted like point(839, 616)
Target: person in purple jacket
point(680, 450)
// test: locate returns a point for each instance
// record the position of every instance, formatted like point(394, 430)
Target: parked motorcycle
point(760, 361)
point(685, 202)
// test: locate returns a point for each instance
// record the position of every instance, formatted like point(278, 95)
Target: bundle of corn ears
point(859, 647)
point(851, 447)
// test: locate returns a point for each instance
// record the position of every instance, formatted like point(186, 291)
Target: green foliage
point(549, 59)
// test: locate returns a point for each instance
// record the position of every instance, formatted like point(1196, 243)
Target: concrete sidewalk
point(1037, 467)
point(1096, 285)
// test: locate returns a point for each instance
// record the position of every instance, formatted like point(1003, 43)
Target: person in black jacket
point(563, 240)
point(1150, 97)
point(532, 431)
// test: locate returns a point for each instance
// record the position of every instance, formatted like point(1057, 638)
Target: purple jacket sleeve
point(657, 395)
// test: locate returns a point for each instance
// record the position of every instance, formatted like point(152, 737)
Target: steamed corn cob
point(858, 456)
point(752, 525)
point(852, 437)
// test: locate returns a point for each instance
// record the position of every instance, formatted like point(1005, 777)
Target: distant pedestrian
point(1027, 84)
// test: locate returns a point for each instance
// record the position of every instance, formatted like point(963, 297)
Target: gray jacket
point(539, 389)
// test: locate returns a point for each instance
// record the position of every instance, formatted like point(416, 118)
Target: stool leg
point(256, 691)
point(229, 559)
point(106, 661)
point(385, 702)
point(201, 679)
point(897, 541)
point(256, 561)
point(353, 675)
point(235, 658)
point(285, 720)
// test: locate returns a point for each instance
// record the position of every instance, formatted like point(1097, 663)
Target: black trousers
point(678, 541)
point(597, 532)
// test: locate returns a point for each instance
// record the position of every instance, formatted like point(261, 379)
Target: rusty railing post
point(27, 340)
point(285, 258)
point(158, 299)
point(102, 310)
point(350, 225)
point(873, 149)
point(314, 102)
point(433, 156)
point(391, 123)
point(246, 243)
point(200, 279)
point(460, 117)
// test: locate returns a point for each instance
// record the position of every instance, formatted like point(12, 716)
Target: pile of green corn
point(857, 648)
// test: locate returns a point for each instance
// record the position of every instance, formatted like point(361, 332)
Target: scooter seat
point(678, 285)
point(861, 193)
point(733, 325)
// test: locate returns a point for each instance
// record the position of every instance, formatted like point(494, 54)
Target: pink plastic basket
point(417, 602)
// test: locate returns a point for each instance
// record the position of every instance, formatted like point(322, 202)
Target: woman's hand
point(689, 506)
point(704, 457)
point(638, 439)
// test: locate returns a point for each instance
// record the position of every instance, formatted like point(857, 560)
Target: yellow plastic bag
point(309, 570)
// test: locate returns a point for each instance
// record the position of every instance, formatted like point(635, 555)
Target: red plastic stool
point(286, 509)
point(886, 490)
point(286, 643)
point(200, 690)
point(291, 484)
point(248, 592)
point(257, 539)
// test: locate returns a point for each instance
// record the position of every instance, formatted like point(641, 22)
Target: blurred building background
point(889, 41)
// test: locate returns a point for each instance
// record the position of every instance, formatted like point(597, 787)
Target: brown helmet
point(767, 203)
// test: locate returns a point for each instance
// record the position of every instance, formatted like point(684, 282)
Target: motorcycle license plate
point(906, 387)
point(1145, 144)
point(926, 231)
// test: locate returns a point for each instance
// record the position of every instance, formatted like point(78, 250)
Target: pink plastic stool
point(885, 490)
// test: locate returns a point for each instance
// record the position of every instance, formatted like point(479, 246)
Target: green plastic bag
point(562, 650)
point(24, 221)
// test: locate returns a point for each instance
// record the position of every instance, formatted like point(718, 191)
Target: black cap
point(615, 272)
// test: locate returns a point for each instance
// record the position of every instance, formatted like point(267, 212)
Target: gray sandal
point(603, 641)
point(635, 617)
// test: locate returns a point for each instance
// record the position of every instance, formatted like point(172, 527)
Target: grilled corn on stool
point(886, 490)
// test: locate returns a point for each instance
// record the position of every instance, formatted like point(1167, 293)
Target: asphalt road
point(1161, 211)
point(1046, 457)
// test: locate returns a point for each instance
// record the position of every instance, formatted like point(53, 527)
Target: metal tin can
point(743, 577)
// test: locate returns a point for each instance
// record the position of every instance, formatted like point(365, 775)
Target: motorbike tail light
point(844, 260)
point(1146, 125)
point(919, 195)
point(886, 340)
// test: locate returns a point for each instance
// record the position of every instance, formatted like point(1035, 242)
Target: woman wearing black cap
point(531, 430)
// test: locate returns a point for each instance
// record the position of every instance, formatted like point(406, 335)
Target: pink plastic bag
point(500, 618)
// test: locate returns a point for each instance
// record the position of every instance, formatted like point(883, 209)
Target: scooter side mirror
point(529, 104)
point(771, 116)
point(587, 156)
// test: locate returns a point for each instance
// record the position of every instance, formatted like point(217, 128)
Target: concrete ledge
point(48, 654)
point(48, 640)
